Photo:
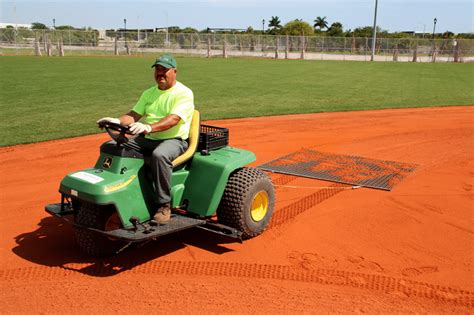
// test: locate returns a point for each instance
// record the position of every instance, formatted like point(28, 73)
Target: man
point(167, 109)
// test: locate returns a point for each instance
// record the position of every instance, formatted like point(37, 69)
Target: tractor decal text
point(121, 185)
point(90, 178)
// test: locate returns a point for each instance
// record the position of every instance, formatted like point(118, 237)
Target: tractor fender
point(208, 177)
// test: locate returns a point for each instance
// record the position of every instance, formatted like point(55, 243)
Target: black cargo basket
point(212, 138)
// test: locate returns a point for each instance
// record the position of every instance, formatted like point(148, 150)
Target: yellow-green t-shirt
point(155, 104)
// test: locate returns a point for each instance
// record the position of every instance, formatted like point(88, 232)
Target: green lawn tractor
point(112, 204)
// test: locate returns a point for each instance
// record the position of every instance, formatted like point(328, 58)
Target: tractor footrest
point(143, 231)
point(146, 231)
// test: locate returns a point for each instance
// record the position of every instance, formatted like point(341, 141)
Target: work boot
point(163, 214)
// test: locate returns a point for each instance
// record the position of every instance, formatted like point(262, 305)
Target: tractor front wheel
point(100, 218)
point(248, 201)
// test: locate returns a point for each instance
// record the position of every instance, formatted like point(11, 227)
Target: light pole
point(54, 23)
point(434, 26)
point(263, 26)
point(125, 24)
point(374, 32)
point(434, 42)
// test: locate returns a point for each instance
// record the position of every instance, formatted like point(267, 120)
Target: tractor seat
point(193, 141)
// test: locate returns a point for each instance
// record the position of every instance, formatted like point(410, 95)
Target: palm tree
point(274, 25)
point(321, 22)
point(274, 22)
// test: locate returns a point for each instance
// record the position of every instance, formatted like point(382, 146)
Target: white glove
point(109, 119)
point(138, 127)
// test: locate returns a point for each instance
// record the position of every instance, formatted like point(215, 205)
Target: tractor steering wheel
point(117, 132)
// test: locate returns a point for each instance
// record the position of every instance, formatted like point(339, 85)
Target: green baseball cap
point(166, 61)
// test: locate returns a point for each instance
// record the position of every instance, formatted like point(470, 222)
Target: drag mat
point(346, 169)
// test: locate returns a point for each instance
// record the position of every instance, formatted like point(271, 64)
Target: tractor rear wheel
point(248, 201)
point(100, 218)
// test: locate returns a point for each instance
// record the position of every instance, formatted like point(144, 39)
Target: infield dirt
point(329, 248)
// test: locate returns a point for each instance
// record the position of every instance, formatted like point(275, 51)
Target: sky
point(393, 15)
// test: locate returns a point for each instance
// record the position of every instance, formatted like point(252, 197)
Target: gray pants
point(163, 154)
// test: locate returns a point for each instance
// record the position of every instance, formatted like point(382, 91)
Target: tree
point(336, 29)
point(448, 34)
point(366, 31)
point(38, 26)
point(189, 30)
point(64, 27)
point(297, 27)
point(249, 30)
point(320, 23)
point(275, 25)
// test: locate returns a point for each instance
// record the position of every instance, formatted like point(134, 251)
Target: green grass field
point(50, 98)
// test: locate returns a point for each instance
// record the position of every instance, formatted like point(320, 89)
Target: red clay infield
point(329, 248)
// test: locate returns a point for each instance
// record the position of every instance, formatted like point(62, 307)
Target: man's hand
point(138, 127)
point(109, 119)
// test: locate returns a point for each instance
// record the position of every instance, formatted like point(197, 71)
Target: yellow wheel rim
point(259, 206)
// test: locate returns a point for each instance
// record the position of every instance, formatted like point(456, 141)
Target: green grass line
point(52, 98)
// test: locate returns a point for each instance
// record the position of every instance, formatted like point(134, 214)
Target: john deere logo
point(107, 162)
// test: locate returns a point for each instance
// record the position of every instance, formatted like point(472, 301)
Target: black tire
point(245, 187)
point(98, 217)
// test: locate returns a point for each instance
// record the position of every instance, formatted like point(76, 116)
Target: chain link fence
point(93, 42)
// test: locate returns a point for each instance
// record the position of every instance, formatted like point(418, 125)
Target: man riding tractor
point(167, 109)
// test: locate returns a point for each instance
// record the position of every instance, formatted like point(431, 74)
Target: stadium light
point(434, 26)
point(125, 24)
point(374, 32)
point(263, 26)
point(54, 23)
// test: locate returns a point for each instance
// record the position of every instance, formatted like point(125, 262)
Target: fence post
point(241, 47)
point(224, 48)
point(456, 51)
point(49, 50)
point(322, 47)
point(45, 37)
point(395, 52)
point(252, 43)
point(286, 46)
point(276, 47)
point(303, 40)
point(365, 50)
point(127, 47)
point(62, 47)
point(415, 52)
point(344, 50)
point(116, 52)
point(434, 51)
point(208, 46)
point(37, 46)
